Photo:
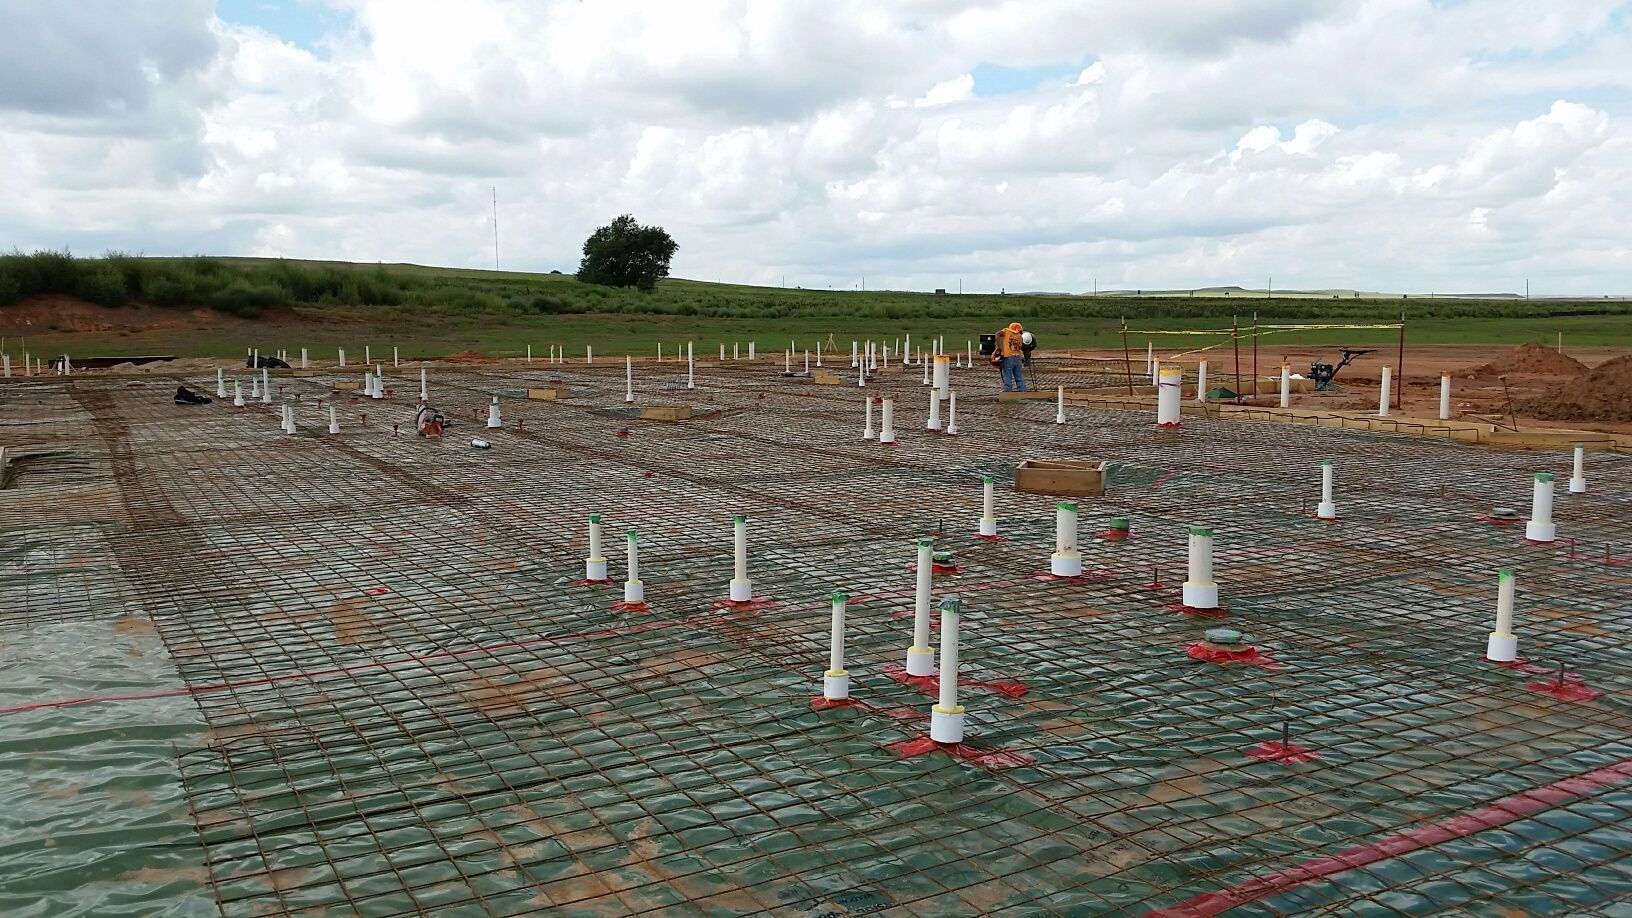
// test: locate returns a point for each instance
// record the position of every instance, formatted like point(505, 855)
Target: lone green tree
point(625, 254)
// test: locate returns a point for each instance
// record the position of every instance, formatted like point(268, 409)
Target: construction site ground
point(250, 673)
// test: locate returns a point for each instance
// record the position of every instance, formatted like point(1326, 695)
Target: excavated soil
point(1532, 358)
point(1603, 394)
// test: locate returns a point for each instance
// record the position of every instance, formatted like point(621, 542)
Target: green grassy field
point(435, 311)
point(619, 333)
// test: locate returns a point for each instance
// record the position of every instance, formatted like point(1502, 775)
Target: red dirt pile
point(1603, 394)
point(1533, 358)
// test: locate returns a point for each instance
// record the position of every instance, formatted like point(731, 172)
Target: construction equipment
point(1324, 373)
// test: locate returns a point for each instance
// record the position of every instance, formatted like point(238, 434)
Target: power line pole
point(495, 227)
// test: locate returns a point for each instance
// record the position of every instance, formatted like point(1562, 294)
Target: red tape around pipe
point(938, 569)
point(1252, 656)
point(931, 685)
point(990, 758)
point(1284, 753)
point(1219, 612)
point(751, 605)
point(1521, 664)
point(1500, 813)
point(1570, 688)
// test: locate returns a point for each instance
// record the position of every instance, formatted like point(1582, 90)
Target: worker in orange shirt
point(1009, 355)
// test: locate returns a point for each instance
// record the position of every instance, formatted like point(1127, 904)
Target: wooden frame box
point(1063, 479)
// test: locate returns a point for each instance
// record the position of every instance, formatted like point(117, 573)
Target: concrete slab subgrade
point(467, 612)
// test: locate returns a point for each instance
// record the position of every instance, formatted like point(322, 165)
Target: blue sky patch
point(995, 80)
point(302, 23)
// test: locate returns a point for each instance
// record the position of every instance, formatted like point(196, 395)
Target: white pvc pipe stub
point(595, 564)
point(920, 661)
point(946, 726)
point(1200, 590)
point(1503, 646)
point(1066, 561)
point(1327, 508)
point(1540, 526)
point(1578, 478)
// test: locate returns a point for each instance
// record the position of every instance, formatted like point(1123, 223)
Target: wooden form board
point(666, 413)
point(1064, 479)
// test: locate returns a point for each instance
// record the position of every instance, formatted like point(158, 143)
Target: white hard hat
point(1027, 338)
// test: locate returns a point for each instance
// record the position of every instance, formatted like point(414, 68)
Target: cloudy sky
point(1408, 145)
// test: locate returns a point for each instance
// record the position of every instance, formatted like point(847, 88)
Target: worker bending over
point(1009, 355)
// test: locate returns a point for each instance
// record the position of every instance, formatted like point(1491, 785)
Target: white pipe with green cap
point(1540, 528)
point(1200, 591)
point(836, 681)
point(1503, 646)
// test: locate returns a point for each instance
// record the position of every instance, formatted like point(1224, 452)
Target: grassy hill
point(438, 310)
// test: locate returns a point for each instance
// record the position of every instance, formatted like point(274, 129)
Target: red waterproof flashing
point(931, 685)
point(581, 582)
point(376, 591)
point(986, 538)
point(1570, 688)
point(1500, 813)
point(1252, 656)
point(990, 758)
point(1219, 612)
point(1115, 535)
point(1284, 753)
point(752, 605)
point(621, 606)
point(938, 568)
point(1520, 664)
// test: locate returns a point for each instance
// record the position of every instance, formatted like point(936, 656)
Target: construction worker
point(1010, 352)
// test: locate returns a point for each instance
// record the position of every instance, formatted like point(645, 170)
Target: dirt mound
point(467, 357)
point(1535, 358)
point(1603, 394)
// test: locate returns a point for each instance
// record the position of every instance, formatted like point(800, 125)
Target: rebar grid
point(412, 708)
